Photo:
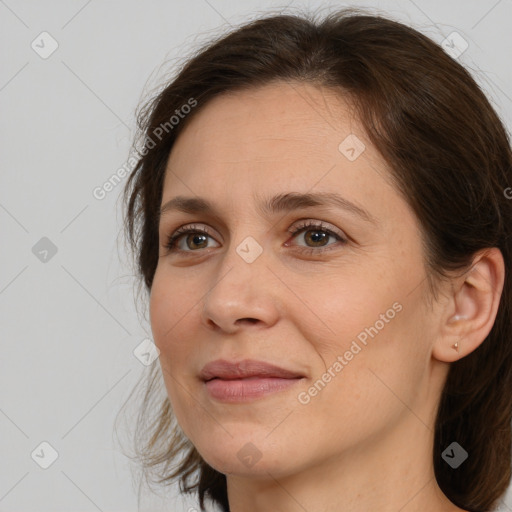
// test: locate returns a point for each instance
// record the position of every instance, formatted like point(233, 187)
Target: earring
point(456, 346)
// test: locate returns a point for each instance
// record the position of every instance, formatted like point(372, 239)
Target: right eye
point(195, 236)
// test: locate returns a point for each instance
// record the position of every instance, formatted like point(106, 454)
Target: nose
point(242, 294)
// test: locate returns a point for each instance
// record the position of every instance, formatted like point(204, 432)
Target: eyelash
point(305, 226)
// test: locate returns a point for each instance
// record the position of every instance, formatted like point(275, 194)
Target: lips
point(246, 380)
point(248, 368)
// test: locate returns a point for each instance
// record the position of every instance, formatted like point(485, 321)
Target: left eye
point(316, 234)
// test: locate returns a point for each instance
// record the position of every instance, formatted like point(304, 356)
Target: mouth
point(246, 380)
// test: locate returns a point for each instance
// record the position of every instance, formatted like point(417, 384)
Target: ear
point(471, 308)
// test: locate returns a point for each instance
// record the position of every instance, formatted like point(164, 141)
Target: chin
point(230, 463)
point(247, 454)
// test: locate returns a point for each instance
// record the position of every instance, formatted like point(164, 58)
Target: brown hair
point(451, 159)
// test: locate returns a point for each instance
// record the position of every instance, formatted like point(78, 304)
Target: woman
point(318, 216)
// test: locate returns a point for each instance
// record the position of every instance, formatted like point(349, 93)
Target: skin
point(364, 442)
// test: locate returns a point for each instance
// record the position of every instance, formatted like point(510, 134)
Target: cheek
point(368, 384)
point(375, 344)
point(169, 307)
point(346, 310)
point(168, 315)
point(171, 314)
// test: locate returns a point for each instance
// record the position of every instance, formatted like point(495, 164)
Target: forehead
point(262, 123)
point(280, 129)
point(276, 139)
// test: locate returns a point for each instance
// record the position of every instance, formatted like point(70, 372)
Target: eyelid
point(300, 225)
point(318, 224)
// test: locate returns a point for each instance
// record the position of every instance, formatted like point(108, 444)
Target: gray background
point(68, 320)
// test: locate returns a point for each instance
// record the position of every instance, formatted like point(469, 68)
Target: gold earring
point(456, 346)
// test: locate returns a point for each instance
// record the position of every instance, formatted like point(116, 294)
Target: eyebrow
point(278, 204)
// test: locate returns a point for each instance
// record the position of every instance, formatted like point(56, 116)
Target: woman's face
point(341, 305)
